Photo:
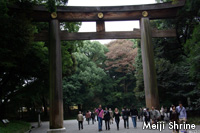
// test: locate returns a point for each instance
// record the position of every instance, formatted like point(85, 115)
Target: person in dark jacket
point(134, 114)
point(93, 117)
point(117, 117)
point(140, 115)
point(107, 118)
point(147, 115)
point(174, 117)
point(125, 116)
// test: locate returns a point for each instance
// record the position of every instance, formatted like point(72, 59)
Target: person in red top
point(100, 113)
point(87, 116)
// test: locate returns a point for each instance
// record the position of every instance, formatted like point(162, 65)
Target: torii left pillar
point(56, 93)
point(149, 72)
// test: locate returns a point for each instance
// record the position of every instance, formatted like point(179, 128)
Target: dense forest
point(94, 73)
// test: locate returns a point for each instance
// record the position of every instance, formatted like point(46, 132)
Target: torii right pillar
point(149, 72)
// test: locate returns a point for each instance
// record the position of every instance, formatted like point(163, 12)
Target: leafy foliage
point(121, 56)
point(15, 126)
point(120, 66)
point(176, 60)
point(192, 49)
point(24, 64)
point(85, 85)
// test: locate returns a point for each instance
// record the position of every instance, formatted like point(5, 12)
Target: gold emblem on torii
point(100, 15)
point(144, 13)
point(54, 15)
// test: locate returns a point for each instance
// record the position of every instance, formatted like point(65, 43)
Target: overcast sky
point(110, 26)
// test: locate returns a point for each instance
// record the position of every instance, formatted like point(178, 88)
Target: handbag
point(125, 117)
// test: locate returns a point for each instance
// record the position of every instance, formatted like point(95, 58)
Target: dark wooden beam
point(116, 16)
point(136, 34)
point(113, 13)
point(100, 26)
point(99, 35)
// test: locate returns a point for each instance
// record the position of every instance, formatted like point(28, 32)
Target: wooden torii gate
point(101, 14)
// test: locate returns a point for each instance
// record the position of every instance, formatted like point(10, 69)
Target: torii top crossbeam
point(110, 13)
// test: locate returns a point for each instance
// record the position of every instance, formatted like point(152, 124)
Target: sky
point(110, 26)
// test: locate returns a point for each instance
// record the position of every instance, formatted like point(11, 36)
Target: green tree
point(120, 66)
point(85, 85)
point(24, 64)
point(192, 49)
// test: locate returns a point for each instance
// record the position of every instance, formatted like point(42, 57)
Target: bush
point(194, 120)
point(15, 127)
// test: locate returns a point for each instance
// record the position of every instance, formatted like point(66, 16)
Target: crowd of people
point(174, 114)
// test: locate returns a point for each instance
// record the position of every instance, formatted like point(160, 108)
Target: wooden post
point(100, 26)
point(149, 72)
point(56, 93)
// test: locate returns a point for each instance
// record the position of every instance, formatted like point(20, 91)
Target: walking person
point(107, 118)
point(111, 116)
point(90, 114)
point(125, 116)
point(117, 117)
point(182, 114)
point(80, 120)
point(147, 116)
point(93, 117)
point(87, 116)
point(162, 113)
point(174, 118)
point(166, 115)
point(158, 114)
point(154, 115)
point(100, 113)
point(134, 114)
point(140, 115)
point(95, 114)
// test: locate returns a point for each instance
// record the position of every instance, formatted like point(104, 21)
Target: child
point(80, 120)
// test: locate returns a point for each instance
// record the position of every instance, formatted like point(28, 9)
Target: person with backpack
point(107, 118)
point(100, 113)
point(134, 114)
point(125, 116)
point(80, 120)
point(117, 117)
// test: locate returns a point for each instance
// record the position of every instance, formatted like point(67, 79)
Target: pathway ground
point(72, 127)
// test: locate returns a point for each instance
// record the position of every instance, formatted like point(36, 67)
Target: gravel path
point(72, 127)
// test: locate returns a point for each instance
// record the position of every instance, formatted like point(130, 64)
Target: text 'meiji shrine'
point(143, 13)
